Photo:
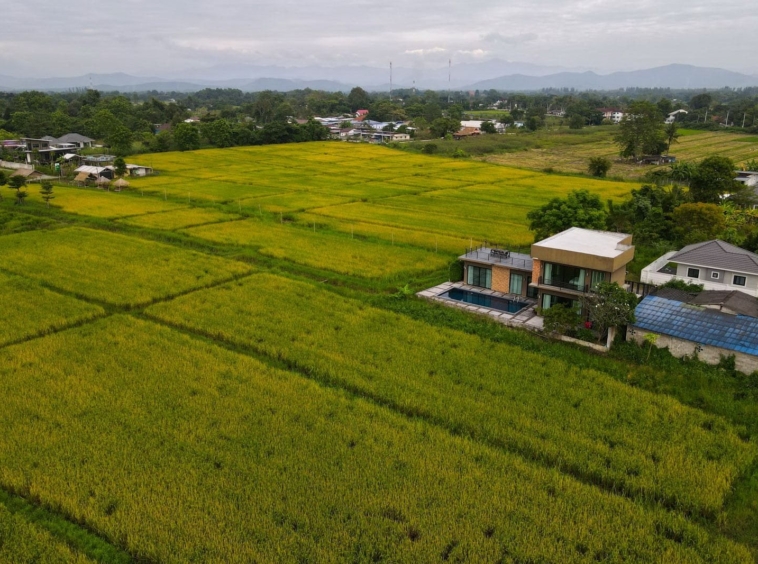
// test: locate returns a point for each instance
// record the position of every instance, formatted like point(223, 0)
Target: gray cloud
point(160, 37)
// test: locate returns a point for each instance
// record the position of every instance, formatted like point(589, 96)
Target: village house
point(570, 264)
point(613, 114)
point(748, 178)
point(80, 141)
point(716, 265)
point(710, 325)
point(672, 117)
point(467, 132)
point(47, 149)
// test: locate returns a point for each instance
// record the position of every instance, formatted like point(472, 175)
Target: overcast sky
point(159, 37)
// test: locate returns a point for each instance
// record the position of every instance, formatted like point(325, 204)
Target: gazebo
point(120, 184)
point(102, 182)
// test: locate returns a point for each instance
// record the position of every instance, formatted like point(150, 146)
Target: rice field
point(573, 157)
point(31, 310)
point(318, 249)
point(163, 394)
point(224, 459)
point(620, 437)
point(112, 268)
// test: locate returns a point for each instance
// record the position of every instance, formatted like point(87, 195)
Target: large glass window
point(548, 301)
point(563, 276)
point(517, 283)
point(478, 276)
point(693, 273)
point(739, 280)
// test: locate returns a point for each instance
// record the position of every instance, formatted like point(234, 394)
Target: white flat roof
point(587, 241)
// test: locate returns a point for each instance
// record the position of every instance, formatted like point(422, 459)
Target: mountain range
point(494, 74)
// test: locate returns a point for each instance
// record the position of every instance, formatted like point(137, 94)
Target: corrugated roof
point(718, 255)
point(698, 324)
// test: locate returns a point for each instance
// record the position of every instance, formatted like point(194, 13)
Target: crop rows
point(338, 253)
point(29, 309)
point(223, 459)
point(112, 268)
point(22, 542)
point(179, 219)
point(579, 420)
point(101, 203)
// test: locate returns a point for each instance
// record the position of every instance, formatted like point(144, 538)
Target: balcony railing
point(555, 283)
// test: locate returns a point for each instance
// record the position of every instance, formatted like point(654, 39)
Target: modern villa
point(500, 270)
point(568, 265)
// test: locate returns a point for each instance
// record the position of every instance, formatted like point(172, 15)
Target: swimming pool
point(484, 300)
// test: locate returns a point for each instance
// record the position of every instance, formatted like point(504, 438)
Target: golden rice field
point(24, 543)
point(191, 371)
point(112, 268)
point(573, 157)
point(667, 454)
point(31, 310)
point(224, 459)
point(318, 249)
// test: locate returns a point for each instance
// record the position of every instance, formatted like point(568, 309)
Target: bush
point(684, 286)
point(430, 148)
point(560, 319)
point(460, 154)
point(599, 166)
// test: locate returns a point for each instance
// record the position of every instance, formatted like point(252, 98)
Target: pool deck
point(527, 318)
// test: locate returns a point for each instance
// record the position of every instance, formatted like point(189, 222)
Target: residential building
point(613, 114)
point(467, 132)
point(361, 114)
point(717, 265)
point(671, 118)
point(711, 325)
point(500, 270)
point(748, 178)
point(29, 174)
point(81, 141)
point(570, 264)
point(47, 149)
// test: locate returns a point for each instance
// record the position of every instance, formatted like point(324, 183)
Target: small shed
point(27, 173)
point(102, 182)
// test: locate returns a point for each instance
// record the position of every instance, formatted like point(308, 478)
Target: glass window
point(739, 280)
point(549, 301)
point(597, 277)
point(478, 276)
point(517, 283)
point(563, 276)
point(715, 275)
point(693, 273)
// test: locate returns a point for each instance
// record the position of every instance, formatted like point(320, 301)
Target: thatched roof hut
point(120, 184)
point(102, 182)
point(82, 178)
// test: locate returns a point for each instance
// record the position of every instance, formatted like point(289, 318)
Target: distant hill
point(495, 74)
point(670, 76)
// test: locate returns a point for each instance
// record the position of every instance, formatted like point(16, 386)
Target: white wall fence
point(14, 166)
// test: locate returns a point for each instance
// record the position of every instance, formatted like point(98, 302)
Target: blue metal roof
point(698, 324)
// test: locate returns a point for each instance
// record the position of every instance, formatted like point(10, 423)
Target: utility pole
point(744, 117)
point(727, 118)
point(390, 81)
point(449, 80)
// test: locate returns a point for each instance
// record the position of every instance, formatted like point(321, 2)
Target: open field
point(387, 357)
point(111, 268)
point(223, 459)
point(232, 368)
point(30, 310)
point(339, 253)
point(573, 157)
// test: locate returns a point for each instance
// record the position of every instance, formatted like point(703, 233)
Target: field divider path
point(414, 413)
point(77, 535)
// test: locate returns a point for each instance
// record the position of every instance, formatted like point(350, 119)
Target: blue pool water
point(475, 298)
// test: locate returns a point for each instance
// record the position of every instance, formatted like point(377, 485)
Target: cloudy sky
point(169, 37)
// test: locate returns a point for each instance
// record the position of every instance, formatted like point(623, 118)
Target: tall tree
point(358, 99)
point(672, 134)
point(186, 137)
point(46, 189)
point(641, 131)
point(714, 180)
point(579, 209)
point(698, 222)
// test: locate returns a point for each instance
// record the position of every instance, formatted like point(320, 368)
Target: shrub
point(682, 285)
point(560, 319)
point(430, 148)
point(599, 166)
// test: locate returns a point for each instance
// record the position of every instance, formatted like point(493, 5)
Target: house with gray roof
point(81, 141)
point(716, 265)
point(694, 327)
